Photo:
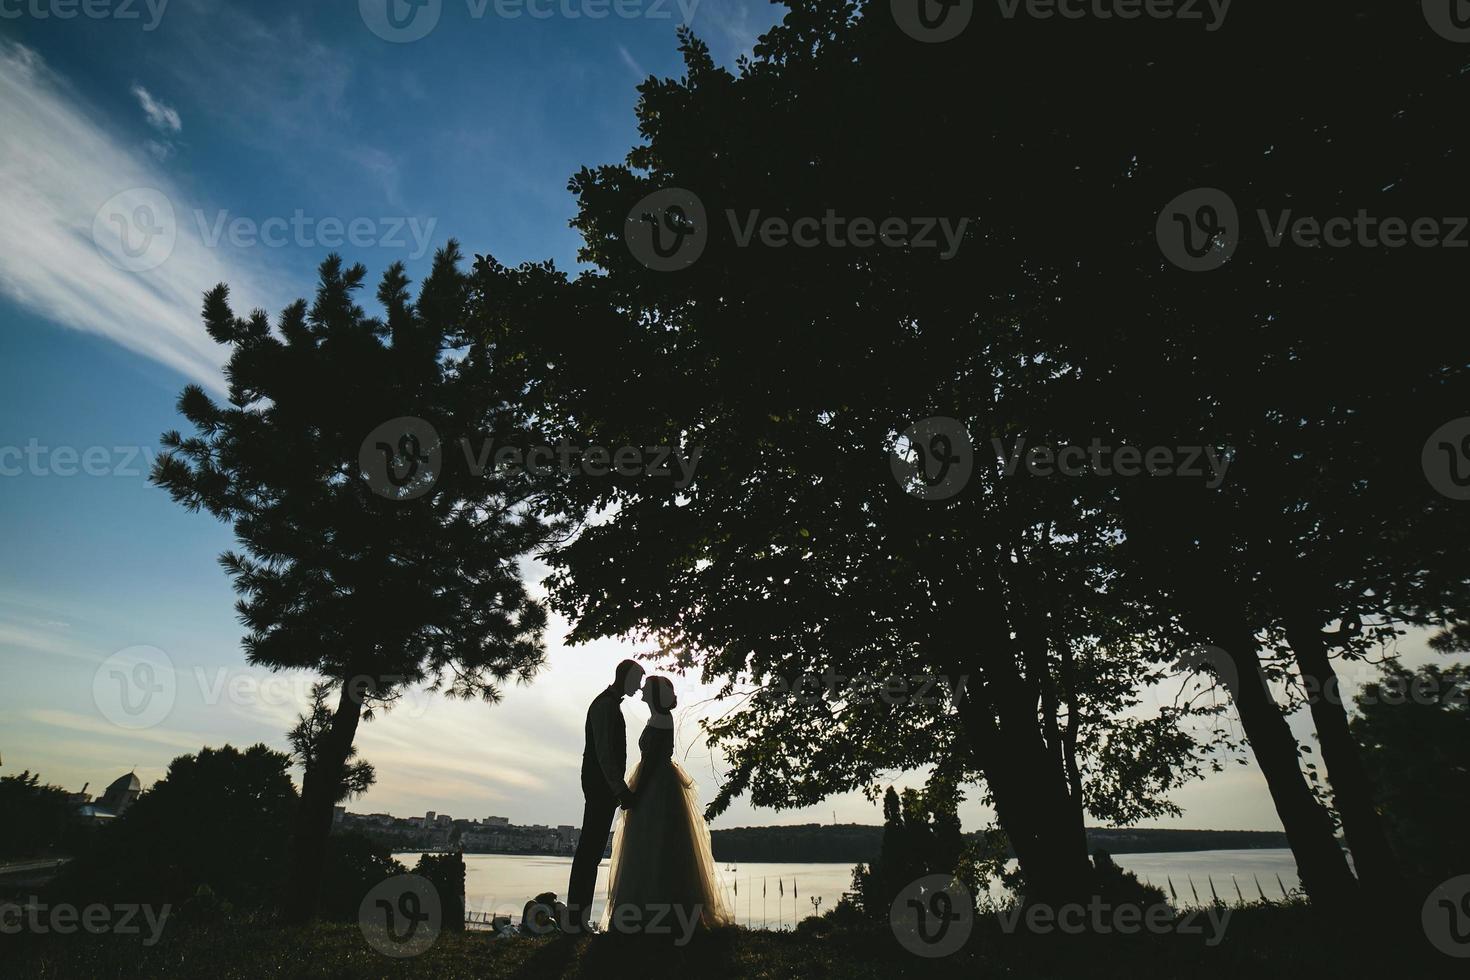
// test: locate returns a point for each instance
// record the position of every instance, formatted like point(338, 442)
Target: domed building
point(115, 799)
point(121, 794)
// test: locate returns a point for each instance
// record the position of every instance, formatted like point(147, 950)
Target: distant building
point(339, 813)
point(493, 835)
point(121, 794)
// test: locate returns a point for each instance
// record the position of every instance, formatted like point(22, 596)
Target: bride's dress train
point(662, 868)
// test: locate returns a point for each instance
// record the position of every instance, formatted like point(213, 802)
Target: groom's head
point(627, 678)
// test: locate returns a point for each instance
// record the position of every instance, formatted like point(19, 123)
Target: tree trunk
point(1001, 716)
point(1320, 862)
point(319, 794)
point(1069, 734)
point(1352, 792)
point(1038, 816)
point(1029, 785)
point(1201, 578)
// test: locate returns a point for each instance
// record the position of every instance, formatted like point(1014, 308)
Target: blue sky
point(276, 119)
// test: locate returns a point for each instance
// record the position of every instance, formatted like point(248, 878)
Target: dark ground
point(1261, 942)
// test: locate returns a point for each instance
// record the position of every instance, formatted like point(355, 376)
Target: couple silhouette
point(662, 871)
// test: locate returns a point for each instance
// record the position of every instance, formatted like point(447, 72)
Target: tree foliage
point(1058, 321)
point(308, 743)
point(334, 576)
point(1414, 728)
point(375, 550)
point(218, 818)
point(34, 816)
point(921, 837)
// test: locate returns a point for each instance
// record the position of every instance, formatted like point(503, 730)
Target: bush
point(1414, 730)
point(220, 819)
point(446, 873)
point(846, 916)
point(1116, 886)
point(354, 863)
point(34, 818)
point(921, 836)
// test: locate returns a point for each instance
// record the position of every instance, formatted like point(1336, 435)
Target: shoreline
point(841, 863)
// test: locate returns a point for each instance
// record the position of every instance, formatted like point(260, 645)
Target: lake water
point(503, 883)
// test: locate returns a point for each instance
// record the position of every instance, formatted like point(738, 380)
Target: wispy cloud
point(164, 118)
point(43, 641)
point(270, 82)
point(161, 117)
point(76, 197)
point(739, 25)
point(631, 62)
point(70, 721)
point(384, 168)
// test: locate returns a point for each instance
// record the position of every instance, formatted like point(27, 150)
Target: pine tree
point(373, 552)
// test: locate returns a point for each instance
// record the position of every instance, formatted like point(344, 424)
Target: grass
point(1261, 941)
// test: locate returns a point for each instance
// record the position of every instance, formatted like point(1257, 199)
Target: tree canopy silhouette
point(1059, 319)
point(379, 561)
point(216, 819)
point(1414, 729)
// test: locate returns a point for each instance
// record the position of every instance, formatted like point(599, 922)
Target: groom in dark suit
point(604, 760)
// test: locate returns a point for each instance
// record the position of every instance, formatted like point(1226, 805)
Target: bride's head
point(658, 694)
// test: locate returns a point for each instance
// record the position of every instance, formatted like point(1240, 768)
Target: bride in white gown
point(662, 868)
